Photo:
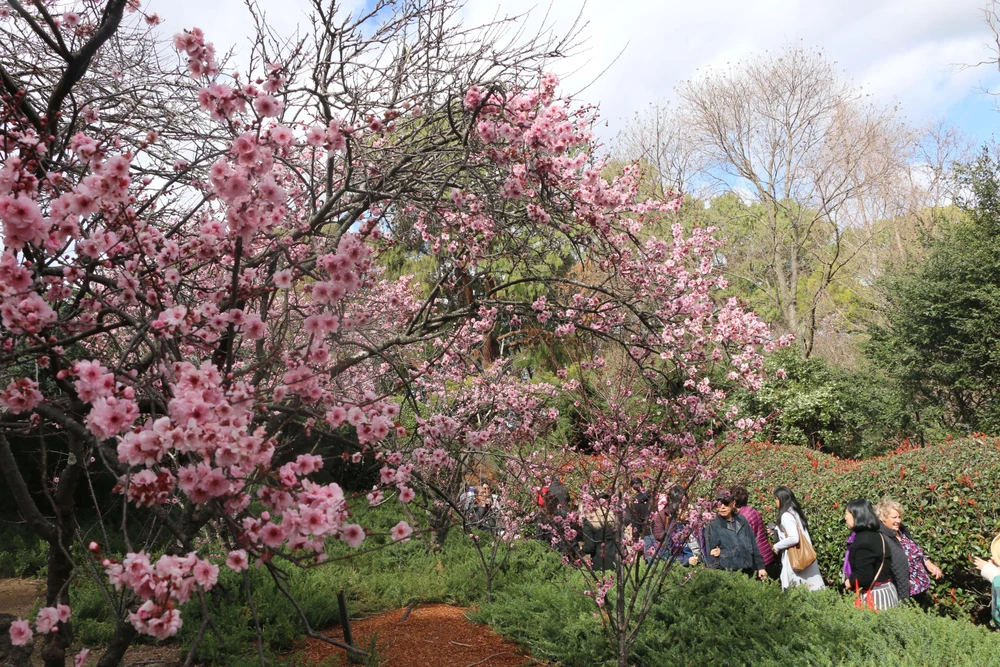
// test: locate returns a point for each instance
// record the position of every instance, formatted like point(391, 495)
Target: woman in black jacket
point(870, 557)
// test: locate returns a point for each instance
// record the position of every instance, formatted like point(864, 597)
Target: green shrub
point(948, 491)
point(93, 622)
point(22, 553)
point(849, 413)
point(720, 618)
point(550, 615)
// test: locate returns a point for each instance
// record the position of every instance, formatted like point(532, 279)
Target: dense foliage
point(941, 341)
point(812, 402)
point(948, 492)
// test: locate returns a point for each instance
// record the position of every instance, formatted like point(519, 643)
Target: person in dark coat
point(870, 558)
point(638, 512)
point(599, 536)
point(730, 542)
point(900, 564)
point(771, 562)
point(558, 493)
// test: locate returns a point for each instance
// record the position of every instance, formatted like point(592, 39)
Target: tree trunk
point(440, 524)
point(57, 592)
point(115, 652)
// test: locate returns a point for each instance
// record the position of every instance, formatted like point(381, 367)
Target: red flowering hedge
point(950, 493)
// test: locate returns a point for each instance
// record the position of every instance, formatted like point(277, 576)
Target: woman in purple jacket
point(771, 562)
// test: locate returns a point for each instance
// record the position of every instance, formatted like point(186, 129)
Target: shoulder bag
point(801, 555)
point(868, 598)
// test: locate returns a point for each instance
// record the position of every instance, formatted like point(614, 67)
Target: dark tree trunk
point(115, 651)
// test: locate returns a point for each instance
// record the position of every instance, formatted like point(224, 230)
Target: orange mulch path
point(433, 635)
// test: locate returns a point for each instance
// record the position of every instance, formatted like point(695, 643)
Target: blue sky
point(905, 52)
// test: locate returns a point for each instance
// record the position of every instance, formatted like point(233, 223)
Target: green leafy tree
point(941, 336)
point(849, 413)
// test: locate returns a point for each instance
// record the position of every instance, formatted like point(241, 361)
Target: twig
point(461, 644)
point(410, 607)
point(489, 657)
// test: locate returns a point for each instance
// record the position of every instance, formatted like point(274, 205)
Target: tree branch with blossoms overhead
point(186, 279)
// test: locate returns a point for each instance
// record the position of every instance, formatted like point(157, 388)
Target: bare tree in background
point(658, 138)
point(815, 154)
point(920, 202)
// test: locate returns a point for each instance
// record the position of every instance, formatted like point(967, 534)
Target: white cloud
point(899, 50)
point(904, 51)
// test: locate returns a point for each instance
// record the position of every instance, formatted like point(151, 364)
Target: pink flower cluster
point(21, 396)
point(201, 56)
point(47, 621)
point(22, 221)
point(163, 585)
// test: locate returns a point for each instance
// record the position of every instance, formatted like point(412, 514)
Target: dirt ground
point(17, 596)
point(438, 635)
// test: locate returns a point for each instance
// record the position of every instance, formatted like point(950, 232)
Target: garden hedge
point(950, 493)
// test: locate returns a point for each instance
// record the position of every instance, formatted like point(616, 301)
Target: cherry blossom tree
point(654, 412)
point(183, 286)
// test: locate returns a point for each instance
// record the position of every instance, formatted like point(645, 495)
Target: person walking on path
point(599, 532)
point(793, 527)
point(870, 558)
point(639, 512)
point(771, 562)
point(921, 568)
point(900, 563)
point(729, 540)
point(672, 535)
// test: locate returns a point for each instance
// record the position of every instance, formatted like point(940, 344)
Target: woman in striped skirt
point(870, 558)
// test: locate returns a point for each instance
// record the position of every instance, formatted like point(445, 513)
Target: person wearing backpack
point(798, 558)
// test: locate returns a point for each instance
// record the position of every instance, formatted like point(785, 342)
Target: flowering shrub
point(948, 492)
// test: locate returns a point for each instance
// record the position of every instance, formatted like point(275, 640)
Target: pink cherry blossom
point(47, 620)
point(266, 105)
point(20, 633)
point(237, 560)
point(26, 313)
point(64, 612)
point(205, 573)
point(111, 416)
point(21, 396)
point(22, 221)
point(353, 535)
point(401, 532)
point(283, 279)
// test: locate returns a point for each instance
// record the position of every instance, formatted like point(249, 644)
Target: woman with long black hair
point(869, 557)
point(793, 529)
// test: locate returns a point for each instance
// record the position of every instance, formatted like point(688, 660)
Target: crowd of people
point(882, 564)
